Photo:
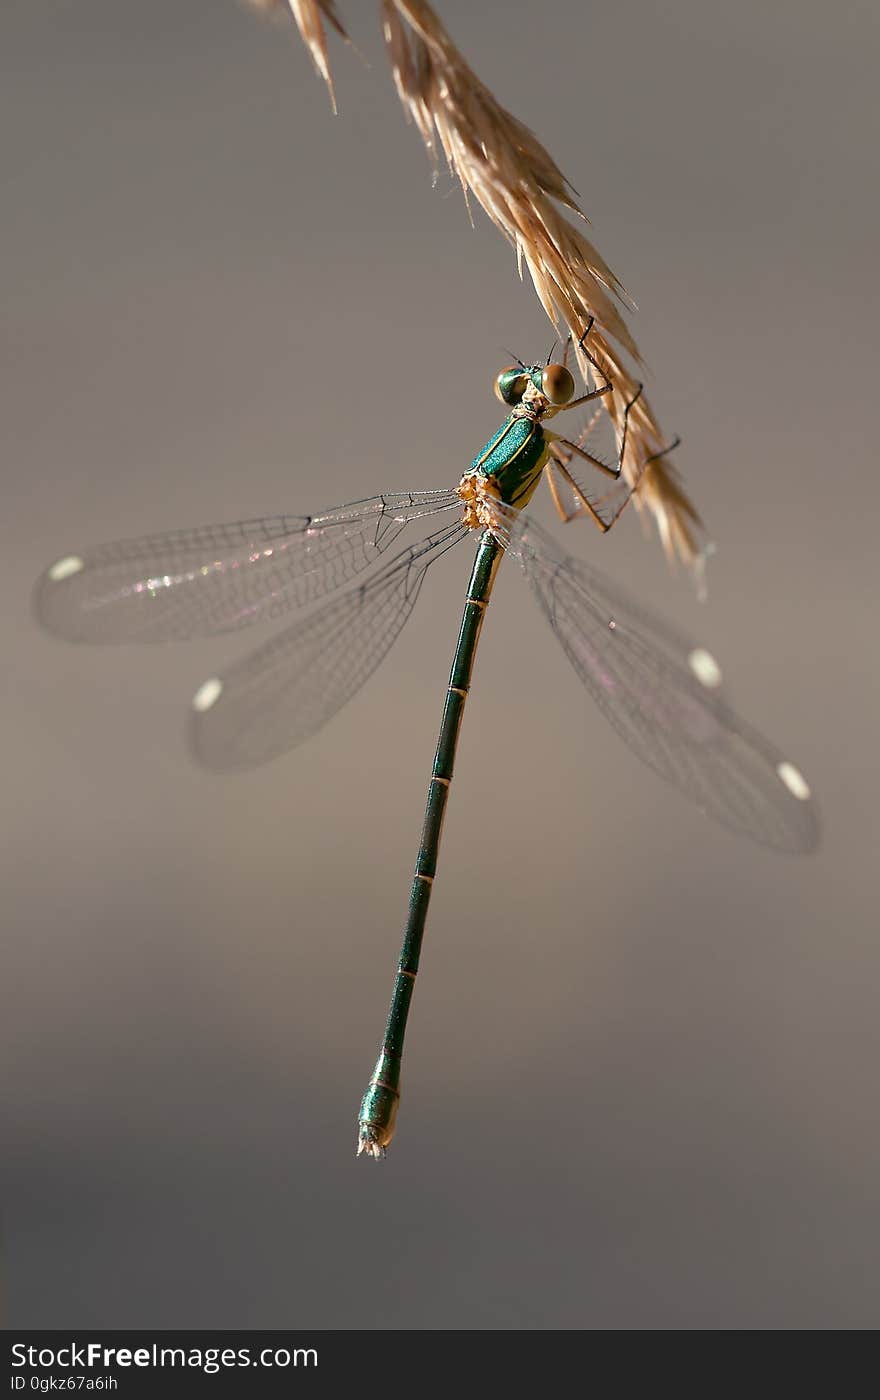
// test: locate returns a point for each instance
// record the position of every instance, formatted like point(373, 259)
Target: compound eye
point(511, 385)
point(557, 384)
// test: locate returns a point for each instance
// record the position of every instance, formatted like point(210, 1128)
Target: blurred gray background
point(641, 1080)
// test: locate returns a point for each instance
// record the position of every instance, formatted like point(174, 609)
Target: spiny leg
point(555, 460)
point(586, 506)
point(597, 393)
point(615, 513)
point(579, 450)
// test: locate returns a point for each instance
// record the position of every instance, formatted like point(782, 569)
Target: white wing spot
point(705, 667)
point(65, 568)
point(794, 780)
point(207, 695)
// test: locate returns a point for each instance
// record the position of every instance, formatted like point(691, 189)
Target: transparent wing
point(288, 688)
point(217, 578)
point(663, 695)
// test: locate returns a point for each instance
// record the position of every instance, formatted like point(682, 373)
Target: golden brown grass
point(503, 165)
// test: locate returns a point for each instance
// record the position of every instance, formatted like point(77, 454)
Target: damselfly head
point(553, 382)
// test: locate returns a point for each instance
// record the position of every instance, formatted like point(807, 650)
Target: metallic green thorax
point(515, 457)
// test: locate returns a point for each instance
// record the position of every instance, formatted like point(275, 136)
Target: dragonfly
point(659, 689)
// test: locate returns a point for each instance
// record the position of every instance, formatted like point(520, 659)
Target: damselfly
point(659, 690)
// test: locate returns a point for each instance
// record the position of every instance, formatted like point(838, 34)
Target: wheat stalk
point(504, 166)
